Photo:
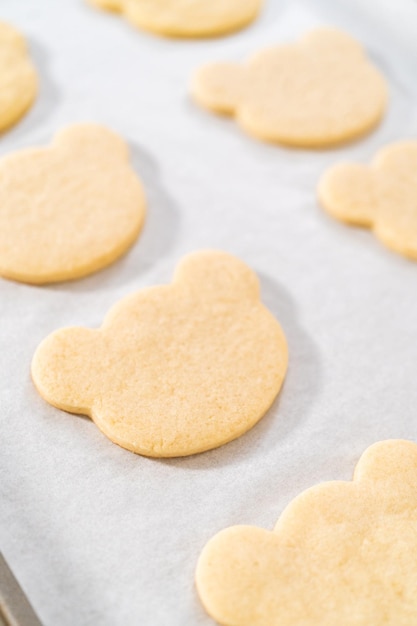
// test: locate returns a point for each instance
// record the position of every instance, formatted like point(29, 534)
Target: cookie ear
point(336, 41)
point(89, 140)
point(348, 191)
point(11, 39)
point(396, 158)
point(229, 574)
point(63, 368)
point(217, 276)
point(219, 86)
point(392, 460)
point(115, 6)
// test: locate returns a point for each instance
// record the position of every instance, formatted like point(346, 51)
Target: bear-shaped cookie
point(317, 92)
point(186, 18)
point(382, 196)
point(342, 553)
point(69, 209)
point(18, 79)
point(174, 369)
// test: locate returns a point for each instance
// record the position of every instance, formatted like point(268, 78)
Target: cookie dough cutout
point(18, 79)
point(186, 18)
point(174, 370)
point(69, 209)
point(382, 196)
point(341, 553)
point(318, 92)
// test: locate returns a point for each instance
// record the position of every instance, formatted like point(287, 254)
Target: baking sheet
point(95, 534)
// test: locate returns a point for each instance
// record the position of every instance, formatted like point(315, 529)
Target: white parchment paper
point(95, 534)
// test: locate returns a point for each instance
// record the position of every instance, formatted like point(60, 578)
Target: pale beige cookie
point(382, 196)
point(186, 18)
point(174, 370)
point(341, 554)
point(18, 79)
point(315, 93)
point(69, 209)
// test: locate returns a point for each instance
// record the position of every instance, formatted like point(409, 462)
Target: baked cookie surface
point(317, 92)
point(69, 209)
point(381, 196)
point(341, 553)
point(18, 78)
point(174, 369)
point(186, 18)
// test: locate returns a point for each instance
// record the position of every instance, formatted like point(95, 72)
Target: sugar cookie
point(342, 553)
point(381, 196)
point(69, 209)
point(174, 370)
point(186, 18)
point(18, 80)
point(315, 93)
